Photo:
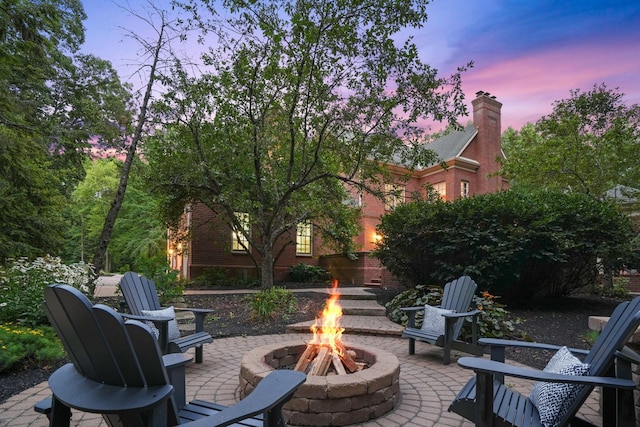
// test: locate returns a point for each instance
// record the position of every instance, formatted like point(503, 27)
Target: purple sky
point(526, 53)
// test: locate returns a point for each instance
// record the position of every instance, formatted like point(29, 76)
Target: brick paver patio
point(427, 387)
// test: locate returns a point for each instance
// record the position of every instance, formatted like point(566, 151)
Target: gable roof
point(447, 147)
point(452, 144)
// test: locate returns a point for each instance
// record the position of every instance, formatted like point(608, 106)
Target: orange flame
point(326, 330)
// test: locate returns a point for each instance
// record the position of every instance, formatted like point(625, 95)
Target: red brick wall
point(360, 272)
point(487, 120)
point(634, 282)
point(211, 246)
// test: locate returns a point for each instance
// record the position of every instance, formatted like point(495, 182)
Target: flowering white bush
point(22, 284)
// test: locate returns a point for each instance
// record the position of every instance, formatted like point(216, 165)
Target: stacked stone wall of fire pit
point(333, 400)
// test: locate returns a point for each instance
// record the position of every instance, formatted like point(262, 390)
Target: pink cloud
point(528, 85)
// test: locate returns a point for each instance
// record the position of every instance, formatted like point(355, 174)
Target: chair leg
point(412, 346)
point(446, 356)
point(60, 414)
point(199, 354)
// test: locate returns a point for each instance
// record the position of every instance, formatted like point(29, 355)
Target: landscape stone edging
point(335, 400)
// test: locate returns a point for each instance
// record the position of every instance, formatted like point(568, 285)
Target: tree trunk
point(267, 267)
point(112, 215)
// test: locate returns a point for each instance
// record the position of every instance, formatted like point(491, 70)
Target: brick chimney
point(486, 119)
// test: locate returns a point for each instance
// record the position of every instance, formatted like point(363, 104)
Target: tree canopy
point(295, 100)
point(589, 144)
point(52, 101)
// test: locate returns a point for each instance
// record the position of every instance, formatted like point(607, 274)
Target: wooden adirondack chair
point(117, 370)
point(454, 308)
point(141, 296)
point(487, 401)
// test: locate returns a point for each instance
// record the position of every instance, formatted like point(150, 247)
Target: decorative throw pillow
point(554, 399)
point(173, 332)
point(433, 321)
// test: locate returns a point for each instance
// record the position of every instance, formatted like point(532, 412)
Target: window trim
point(443, 195)
point(395, 194)
point(464, 189)
point(238, 238)
point(308, 236)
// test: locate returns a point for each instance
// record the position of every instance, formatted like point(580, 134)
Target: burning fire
point(326, 329)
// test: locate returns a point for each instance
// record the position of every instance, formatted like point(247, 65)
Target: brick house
point(470, 154)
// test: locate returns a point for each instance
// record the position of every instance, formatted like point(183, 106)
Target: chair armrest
point(492, 367)
point(498, 345)
point(412, 309)
point(465, 314)
point(271, 393)
point(76, 391)
point(199, 313)
point(628, 355)
point(195, 310)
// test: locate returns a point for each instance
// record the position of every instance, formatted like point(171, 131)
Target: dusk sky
point(526, 53)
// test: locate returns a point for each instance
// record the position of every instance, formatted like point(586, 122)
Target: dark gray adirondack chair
point(117, 370)
point(140, 294)
point(457, 296)
point(487, 401)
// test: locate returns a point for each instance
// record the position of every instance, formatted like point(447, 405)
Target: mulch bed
point(563, 322)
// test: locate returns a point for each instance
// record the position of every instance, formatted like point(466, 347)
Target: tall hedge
point(517, 244)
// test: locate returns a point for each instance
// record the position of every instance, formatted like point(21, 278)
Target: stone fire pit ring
point(333, 400)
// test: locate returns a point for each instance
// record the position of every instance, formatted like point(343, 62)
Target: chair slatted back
point(100, 344)
point(623, 322)
point(457, 296)
point(139, 293)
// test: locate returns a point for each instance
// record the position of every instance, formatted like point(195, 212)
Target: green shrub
point(519, 244)
point(305, 273)
point(493, 320)
point(618, 290)
point(414, 297)
point(22, 284)
point(269, 302)
point(26, 347)
point(213, 276)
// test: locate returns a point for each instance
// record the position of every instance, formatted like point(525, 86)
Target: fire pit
point(332, 400)
point(345, 384)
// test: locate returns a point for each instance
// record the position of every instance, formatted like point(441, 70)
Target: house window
point(464, 189)
point(441, 189)
point(304, 238)
point(394, 195)
point(239, 237)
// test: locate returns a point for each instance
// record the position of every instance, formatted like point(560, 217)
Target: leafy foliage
point(167, 281)
point(138, 235)
point(306, 273)
point(517, 244)
point(266, 303)
point(22, 284)
point(588, 144)
point(25, 347)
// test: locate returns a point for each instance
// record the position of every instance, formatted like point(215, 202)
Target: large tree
point(52, 101)
point(589, 144)
point(295, 101)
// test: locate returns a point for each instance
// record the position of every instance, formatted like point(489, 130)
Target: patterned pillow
point(433, 321)
point(173, 332)
point(554, 399)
